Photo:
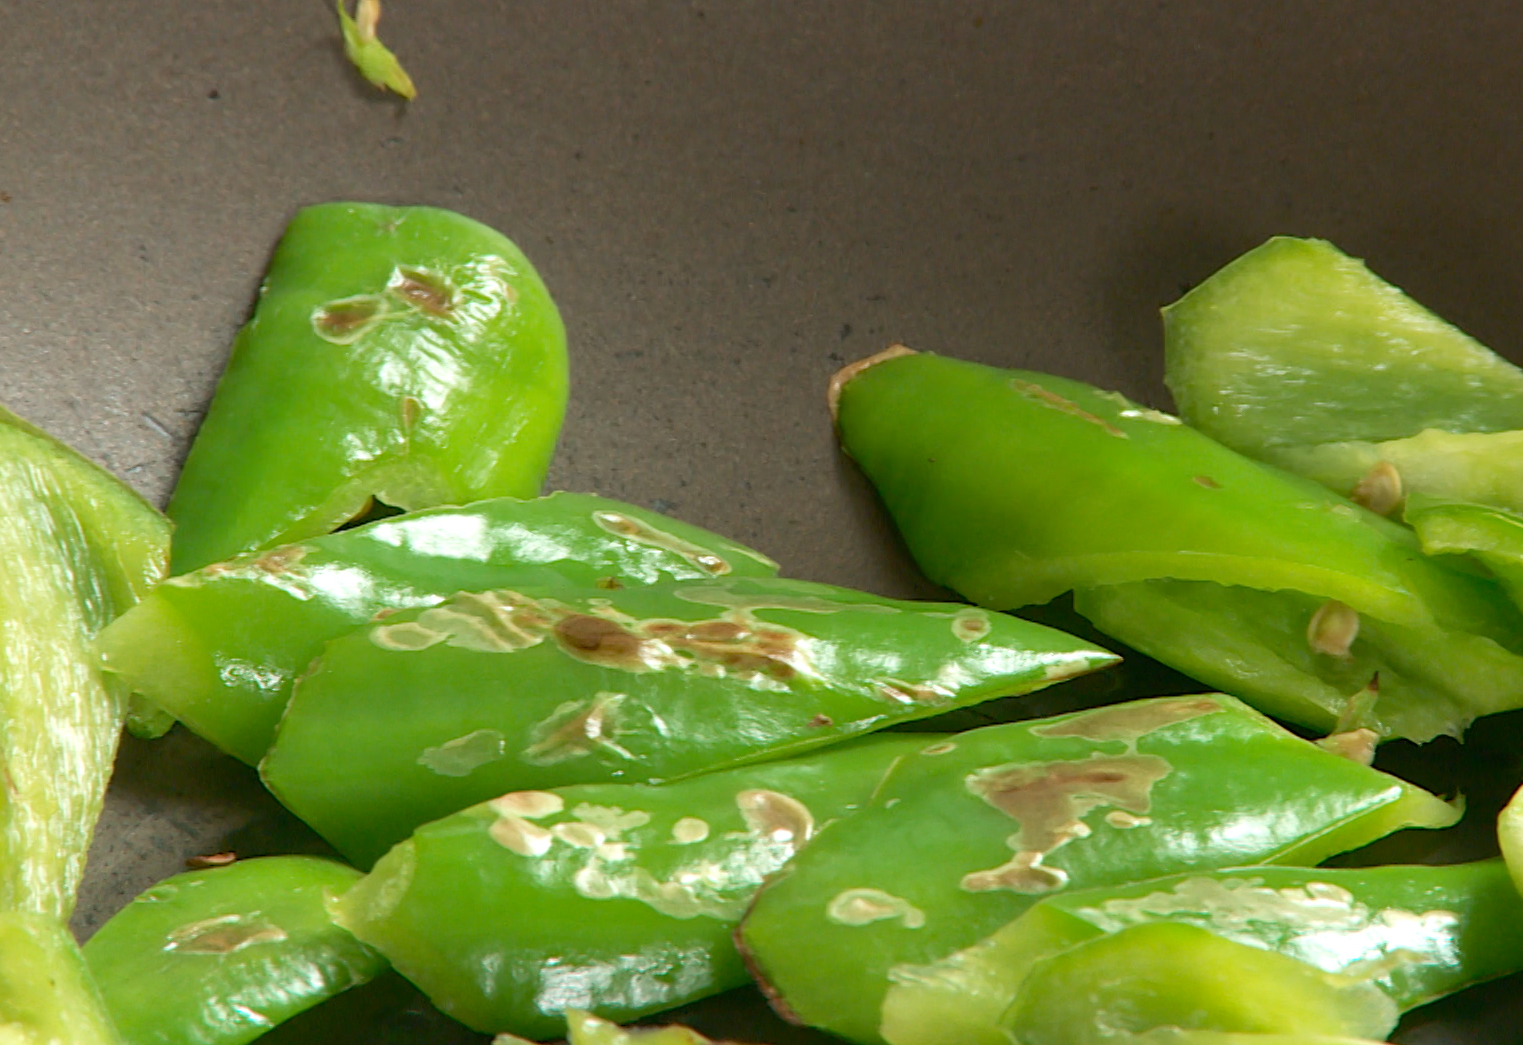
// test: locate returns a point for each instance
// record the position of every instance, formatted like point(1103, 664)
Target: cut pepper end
point(841, 377)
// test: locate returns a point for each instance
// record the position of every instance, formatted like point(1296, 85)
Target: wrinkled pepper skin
point(77, 548)
point(46, 993)
point(406, 354)
point(1417, 933)
point(1012, 487)
point(521, 689)
point(221, 647)
point(969, 834)
point(618, 898)
point(1170, 974)
point(218, 957)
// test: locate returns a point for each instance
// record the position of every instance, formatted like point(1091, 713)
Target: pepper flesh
point(531, 688)
point(77, 548)
point(1417, 933)
point(220, 648)
point(46, 994)
point(220, 956)
point(937, 837)
point(407, 354)
point(615, 897)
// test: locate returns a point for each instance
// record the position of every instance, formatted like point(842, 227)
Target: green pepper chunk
point(969, 834)
point(46, 994)
point(1491, 535)
point(220, 956)
point(406, 354)
point(221, 647)
point(79, 547)
point(1072, 463)
point(429, 711)
point(1167, 974)
point(583, 1028)
point(1417, 933)
point(620, 898)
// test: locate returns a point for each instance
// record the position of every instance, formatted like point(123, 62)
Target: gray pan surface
point(729, 199)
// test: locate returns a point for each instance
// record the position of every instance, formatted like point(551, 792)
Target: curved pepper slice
point(78, 547)
point(407, 354)
point(429, 711)
point(619, 898)
point(1417, 933)
point(221, 647)
point(1168, 974)
point(220, 956)
point(46, 994)
point(970, 833)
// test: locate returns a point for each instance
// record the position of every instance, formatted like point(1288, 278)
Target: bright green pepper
point(1489, 534)
point(1417, 933)
point(221, 647)
point(78, 547)
point(1169, 974)
point(1096, 492)
point(620, 898)
point(583, 1028)
point(218, 957)
point(970, 833)
point(429, 711)
point(46, 994)
point(406, 354)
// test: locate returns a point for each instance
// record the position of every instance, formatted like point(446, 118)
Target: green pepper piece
point(1510, 837)
point(1418, 933)
point(1492, 535)
point(371, 58)
point(46, 994)
point(583, 1028)
point(931, 865)
point(221, 647)
point(527, 688)
point(1259, 646)
point(1295, 344)
point(1013, 487)
point(1168, 974)
point(79, 547)
point(407, 354)
point(619, 898)
point(1180, 1036)
point(220, 956)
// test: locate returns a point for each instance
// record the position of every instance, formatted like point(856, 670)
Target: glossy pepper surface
point(218, 957)
point(618, 898)
point(46, 993)
point(429, 711)
point(221, 647)
point(1416, 933)
point(1072, 461)
point(405, 354)
point(970, 833)
point(77, 547)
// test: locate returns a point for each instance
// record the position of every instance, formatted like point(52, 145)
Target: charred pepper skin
point(78, 547)
point(1416, 933)
point(970, 833)
point(218, 957)
point(406, 354)
point(518, 689)
point(619, 898)
point(1074, 460)
point(221, 647)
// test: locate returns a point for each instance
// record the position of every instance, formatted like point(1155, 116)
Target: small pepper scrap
point(1072, 460)
point(221, 647)
point(615, 897)
point(372, 58)
point(527, 688)
point(1104, 797)
point(1416, 933)
point(403, 354)
point(220, 956)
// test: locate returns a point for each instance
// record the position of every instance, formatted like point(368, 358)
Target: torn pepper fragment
point(1100, 797)
point(527, 688)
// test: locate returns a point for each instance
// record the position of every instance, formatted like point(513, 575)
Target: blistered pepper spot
point(858, 907)
point(1128, 723)
point(424, 290)
point(464, 755)
point(1049, 398)
point(577, 729)
point(688, 830)
point(518, 835)
point(532, 805)
point(225, 934)
point(775, 816)
point(1207, 482)
point(1049, 801)
point(970, 625)
point(641, 532)
point(912, 693)
point(345, 321)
